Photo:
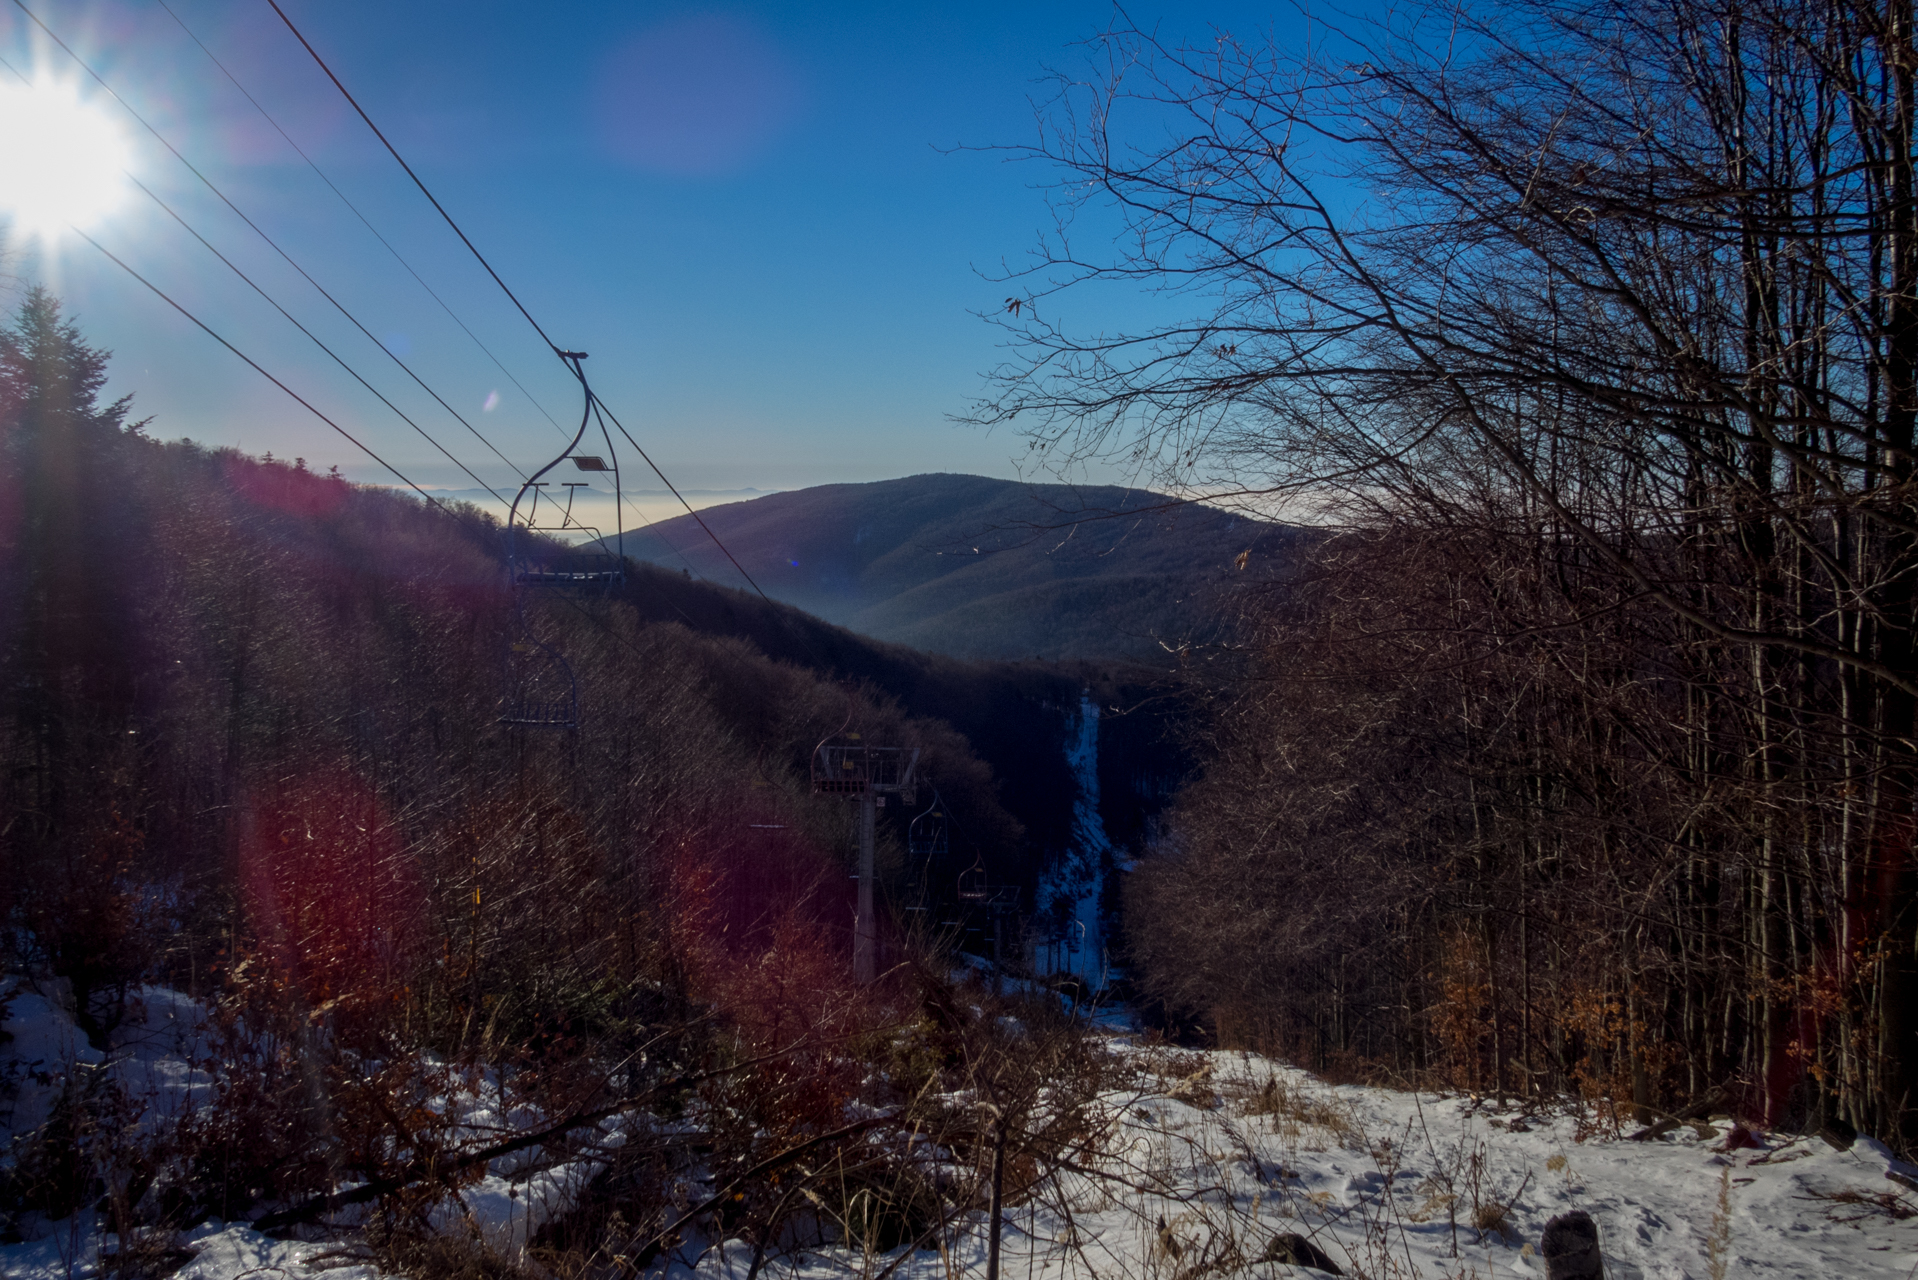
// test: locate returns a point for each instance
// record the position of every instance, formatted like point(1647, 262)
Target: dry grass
point(1493, 1217)
point(1438, 1199)
point(1196, 1090)
point(1718, 1240)
point(145, 1253)
point(1298, 1114)
point(427, 1255)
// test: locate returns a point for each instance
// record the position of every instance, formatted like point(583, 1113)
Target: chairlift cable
point(682, 502)
point(307, 404)
point(98, 79)
point(504, 288)
point(394, 152)
point(336, 357)
point(397, 256)
point(256, 228)
point(345, 434)
point(670, 545)
point(617, 638)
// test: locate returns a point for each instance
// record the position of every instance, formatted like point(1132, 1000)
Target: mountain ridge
point(981, 568)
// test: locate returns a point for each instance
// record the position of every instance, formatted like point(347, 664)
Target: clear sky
point(750, 215)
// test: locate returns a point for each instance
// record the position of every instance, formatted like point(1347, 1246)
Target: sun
point(62, 159)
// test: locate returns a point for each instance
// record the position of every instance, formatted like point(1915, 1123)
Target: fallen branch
point(759, 1170)
point(438, 1166)
point(1690, 1111)
point(433, 1169)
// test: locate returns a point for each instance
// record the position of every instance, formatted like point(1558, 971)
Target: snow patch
point(1077, 881)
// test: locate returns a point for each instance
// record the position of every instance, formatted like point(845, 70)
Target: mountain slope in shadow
point(983, 568)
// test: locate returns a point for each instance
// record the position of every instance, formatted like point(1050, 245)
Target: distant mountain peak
point(982, 568)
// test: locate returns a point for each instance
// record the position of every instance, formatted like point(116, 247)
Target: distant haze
point(983, 568)
point(595, 506)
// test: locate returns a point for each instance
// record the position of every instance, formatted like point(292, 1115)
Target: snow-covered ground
point(159, 1058)
point(1193, 1164)
point(1075, 885)
point(1212, 1155)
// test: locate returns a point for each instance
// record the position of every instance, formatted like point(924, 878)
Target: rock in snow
point(1570, 1247)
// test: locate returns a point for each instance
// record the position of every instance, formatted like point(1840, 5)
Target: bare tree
point(1630, 290)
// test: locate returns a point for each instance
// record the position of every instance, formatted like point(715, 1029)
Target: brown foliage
point(1605, 391)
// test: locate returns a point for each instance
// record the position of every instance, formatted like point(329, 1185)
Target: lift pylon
point(845, 765)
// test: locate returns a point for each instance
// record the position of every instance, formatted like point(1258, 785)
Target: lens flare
point(62, 159)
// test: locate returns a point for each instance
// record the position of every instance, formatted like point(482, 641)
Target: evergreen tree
point(67, 639)
point(50, 379)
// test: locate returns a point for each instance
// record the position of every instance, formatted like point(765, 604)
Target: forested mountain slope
point(1017, 715)
point(266, 762)
point(984, 568)
point(231, 638)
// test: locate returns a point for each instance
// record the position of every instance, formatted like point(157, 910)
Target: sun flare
point(62, 159)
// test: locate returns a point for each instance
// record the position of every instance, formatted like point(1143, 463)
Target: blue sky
point(751, 216)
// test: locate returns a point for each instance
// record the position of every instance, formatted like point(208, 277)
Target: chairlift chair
point(540, 537)
point(926, 836)
point(543, 692)
point(542, 689)
point(556, 564)
point(974, 884)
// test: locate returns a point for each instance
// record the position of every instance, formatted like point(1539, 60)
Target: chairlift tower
point(866, 775)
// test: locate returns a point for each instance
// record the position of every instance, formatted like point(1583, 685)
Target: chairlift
point(543, 692)
point(762, 779)
point(926, 836)
point(974, 884)
point(542, 540)
point(853, 769)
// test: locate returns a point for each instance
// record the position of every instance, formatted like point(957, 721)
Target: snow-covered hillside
point(1194, 1165)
